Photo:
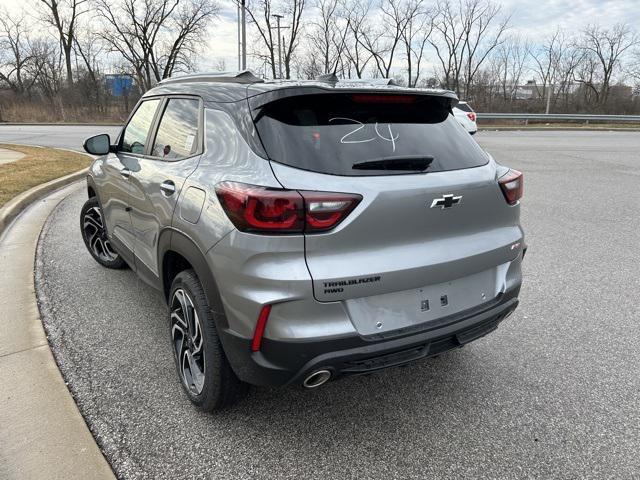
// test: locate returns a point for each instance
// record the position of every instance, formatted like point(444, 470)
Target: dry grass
point(39, 165)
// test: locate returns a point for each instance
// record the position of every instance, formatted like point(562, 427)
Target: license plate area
point(392, 311)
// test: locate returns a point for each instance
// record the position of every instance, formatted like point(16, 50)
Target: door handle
point(168, 188)
point(125, 172)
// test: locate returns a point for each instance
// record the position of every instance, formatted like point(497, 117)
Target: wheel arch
point(177, 252)
point(92, 190)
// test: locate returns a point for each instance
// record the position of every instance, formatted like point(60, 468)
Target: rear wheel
point(95, 237)
point(203, 369)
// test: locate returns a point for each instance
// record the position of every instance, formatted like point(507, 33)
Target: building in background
point(119, 84)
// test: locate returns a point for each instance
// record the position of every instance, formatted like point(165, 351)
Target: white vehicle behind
point(466, 117)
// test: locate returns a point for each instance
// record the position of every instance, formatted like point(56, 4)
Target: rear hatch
point(432, 235)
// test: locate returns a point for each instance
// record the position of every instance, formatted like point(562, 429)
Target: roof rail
point(244, 76)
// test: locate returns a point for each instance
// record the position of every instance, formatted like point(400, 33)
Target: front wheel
point(205, 373)
point(95, 237)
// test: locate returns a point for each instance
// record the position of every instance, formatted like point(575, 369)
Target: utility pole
point(278, 17)
point(549, 93)
point(244, 36)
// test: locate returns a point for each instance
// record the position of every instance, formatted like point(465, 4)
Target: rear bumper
point(289, 362)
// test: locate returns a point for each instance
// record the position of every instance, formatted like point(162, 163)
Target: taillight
point(512, 186)
point(324, 211)
point(472, 116)
point(267, 210)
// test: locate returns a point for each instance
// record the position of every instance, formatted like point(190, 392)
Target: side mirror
point(98, 144)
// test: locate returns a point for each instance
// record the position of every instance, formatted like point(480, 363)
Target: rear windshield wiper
point(414, 163)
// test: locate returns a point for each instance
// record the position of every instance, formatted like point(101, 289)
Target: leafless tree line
point(468, 46)
point(60, 52)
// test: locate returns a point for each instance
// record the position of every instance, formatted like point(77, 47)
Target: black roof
point(232, 87)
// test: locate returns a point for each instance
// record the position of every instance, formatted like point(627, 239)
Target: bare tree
point(48, 67)
point(607, 47)
point(261, 16)
point(415, 36)
point(63, 16)
point(293, 12)
point(15, 52)
point(357, 17)
point(568, 61)
point(546, 59)
point(466, 34)
point(89, 50)
point(634, 67)
point(156, 37)
point(509, 62)
point(383, 42)
point(327, 36)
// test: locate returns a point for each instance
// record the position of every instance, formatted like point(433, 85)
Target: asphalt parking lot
point(553, 393)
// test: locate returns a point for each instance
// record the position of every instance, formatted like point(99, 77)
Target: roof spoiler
point(332, 78)
point(244, 76)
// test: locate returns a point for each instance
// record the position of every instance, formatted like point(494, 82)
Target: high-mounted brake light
point(512, 186)
point(382, 98)
point(261, 324)
point(266, 210)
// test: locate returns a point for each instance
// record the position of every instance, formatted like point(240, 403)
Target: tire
point(95, 238)
point(201, 364)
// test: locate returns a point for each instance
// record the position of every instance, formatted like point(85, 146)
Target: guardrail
point(554, 117)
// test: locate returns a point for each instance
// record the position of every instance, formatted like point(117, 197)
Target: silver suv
point(304, 231)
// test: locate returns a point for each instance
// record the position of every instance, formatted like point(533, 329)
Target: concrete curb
point(16, 205)
point(43, 434)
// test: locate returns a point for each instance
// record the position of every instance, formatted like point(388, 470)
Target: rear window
point(330, 133)
point(464, 107)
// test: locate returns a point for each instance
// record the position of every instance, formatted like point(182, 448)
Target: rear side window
point(136, 132)
point(333, 133)
point(177, 135)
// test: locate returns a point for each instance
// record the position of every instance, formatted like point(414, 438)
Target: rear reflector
point(512, 186)
point(261, 324)
point(266, 210)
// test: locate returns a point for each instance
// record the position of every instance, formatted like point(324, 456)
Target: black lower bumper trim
point(281, 363)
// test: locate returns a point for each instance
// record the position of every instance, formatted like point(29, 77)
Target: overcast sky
point(534, 19)
point(529, 18)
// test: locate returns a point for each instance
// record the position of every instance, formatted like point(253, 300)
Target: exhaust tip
point(317, 378)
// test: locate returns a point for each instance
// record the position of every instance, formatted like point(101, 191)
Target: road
point(553, 393)
point(60, 136)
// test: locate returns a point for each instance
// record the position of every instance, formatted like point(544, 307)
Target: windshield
point(330, 133)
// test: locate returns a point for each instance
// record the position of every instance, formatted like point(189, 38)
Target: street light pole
point(278, 17)
point(244, 36)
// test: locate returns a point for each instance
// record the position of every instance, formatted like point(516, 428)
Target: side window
point(177, 135)
point(137, 130)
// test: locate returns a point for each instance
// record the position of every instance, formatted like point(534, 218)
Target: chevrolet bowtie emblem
point(447, 201)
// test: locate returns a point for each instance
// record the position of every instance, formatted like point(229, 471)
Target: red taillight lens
point(512, 186)
point(263, 210)
point(259, 209)
point(472, 116)
point(326, 210)
point(261, 324)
